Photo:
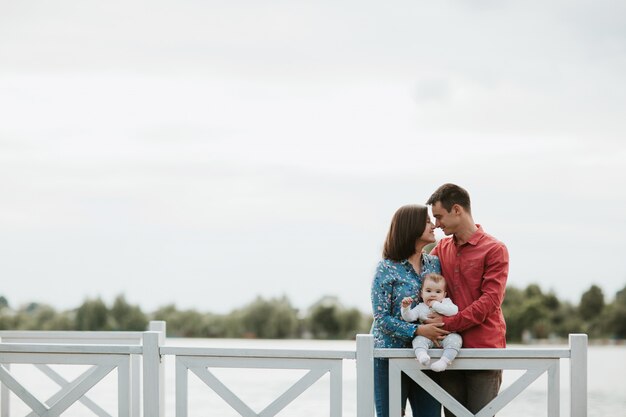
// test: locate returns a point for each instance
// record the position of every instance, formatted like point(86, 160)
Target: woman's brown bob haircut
point(407, 226)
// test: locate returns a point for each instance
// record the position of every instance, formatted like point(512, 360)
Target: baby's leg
point(451, 345)
point(421, 344)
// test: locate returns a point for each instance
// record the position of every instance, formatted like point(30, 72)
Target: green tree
point(512, 311)
point(269, 319)
point(126, 316)
point(92, 315)
point(616, 316)
point(591, 303)
point(328, 319)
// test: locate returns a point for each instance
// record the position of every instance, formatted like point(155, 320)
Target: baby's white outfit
point(451, 343)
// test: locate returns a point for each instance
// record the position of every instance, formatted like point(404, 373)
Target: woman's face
point(429, 232)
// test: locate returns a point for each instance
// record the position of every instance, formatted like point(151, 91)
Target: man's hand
point(434, 318)
point(406, 302)
point(432, 331)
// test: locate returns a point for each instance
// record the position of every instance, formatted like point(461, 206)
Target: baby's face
point(433, 291)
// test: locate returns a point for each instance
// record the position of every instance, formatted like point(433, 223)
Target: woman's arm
point(382, 305)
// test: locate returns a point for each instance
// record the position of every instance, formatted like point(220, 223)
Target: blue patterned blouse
point(394, 281)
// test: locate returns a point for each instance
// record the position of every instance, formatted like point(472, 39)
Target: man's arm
point(492, 293)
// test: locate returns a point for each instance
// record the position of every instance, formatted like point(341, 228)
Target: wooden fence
point(103, 352)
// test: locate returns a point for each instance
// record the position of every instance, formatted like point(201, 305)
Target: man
point(476, 267)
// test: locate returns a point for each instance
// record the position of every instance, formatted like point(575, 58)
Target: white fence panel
point(102, 360)
point(100, 338)
point(534, 361)
point(198, 360)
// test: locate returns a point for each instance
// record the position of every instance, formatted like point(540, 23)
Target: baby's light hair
point(435, 278)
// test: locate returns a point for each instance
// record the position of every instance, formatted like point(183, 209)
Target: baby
point(434, 299)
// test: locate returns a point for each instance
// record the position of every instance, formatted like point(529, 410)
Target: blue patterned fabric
point(394, 281)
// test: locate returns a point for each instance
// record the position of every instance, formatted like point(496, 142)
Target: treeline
point(273, 318)
point(529, 313)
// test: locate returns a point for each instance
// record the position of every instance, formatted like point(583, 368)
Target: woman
point(400, 275)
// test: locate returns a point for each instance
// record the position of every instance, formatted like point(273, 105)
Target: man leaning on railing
point(476, 267)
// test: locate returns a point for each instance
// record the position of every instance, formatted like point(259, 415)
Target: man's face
point(446, 220)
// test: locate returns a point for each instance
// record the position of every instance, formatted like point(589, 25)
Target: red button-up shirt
point(476, 274)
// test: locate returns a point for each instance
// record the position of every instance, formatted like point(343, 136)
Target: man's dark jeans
point(473, 389)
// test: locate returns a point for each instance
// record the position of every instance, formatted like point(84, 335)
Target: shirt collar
point(409, 266)
point(476, 236)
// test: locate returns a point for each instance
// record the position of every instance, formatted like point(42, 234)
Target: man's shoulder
point(490, 240)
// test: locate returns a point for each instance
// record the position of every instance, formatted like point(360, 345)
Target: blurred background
point(210, 156)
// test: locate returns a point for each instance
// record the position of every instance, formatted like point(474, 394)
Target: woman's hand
point(432, 331)
point(406, 302)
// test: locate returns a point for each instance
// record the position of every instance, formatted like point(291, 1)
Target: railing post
point(5, 396)
point(158, 326)
point(578, 375)
point(153, 376)
point(365, 375)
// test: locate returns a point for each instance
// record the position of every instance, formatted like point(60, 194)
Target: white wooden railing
point(95, 348)
point(104, 358)
point(317, 362)
point(534, 361)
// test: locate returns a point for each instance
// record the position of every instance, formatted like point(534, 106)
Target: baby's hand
point(406, 302)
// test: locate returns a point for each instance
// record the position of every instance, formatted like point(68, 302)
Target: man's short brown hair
point(449, 195)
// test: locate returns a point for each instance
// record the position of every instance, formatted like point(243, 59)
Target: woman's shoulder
point(390, 264)
point(387, 266)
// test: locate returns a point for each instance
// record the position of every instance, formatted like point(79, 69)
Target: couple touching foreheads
point(450, 298)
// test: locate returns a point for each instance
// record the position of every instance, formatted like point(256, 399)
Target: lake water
point(258, 388)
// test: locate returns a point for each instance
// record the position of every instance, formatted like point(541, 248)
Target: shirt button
point(456, 269)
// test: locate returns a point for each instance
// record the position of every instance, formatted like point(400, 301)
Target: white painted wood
point(51, 338)
point(71, 392)
point(4, 394)
point(260, 363)
point(499, 363)
point(258, 353)
point(436, 391)
point(182, 401)
point(224, 392)
point(18, 389)
point(65, 385)
point(395, 394)
point(526, 353)
point(60, 359)
point(365, 372)
point(292, 393)
point(510, 393)
point(106, 357)
point(85, 382)
point(153, 403)
point(336, 391)
point(61, 348)
point(554, 390)
point(71, 337)
point(578, 375)
point(317, 367)
point(125, 388)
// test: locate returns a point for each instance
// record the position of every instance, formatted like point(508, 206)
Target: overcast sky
point(205, 152)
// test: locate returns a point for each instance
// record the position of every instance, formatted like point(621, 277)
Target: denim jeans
point(422, 403)
point(473, 389)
